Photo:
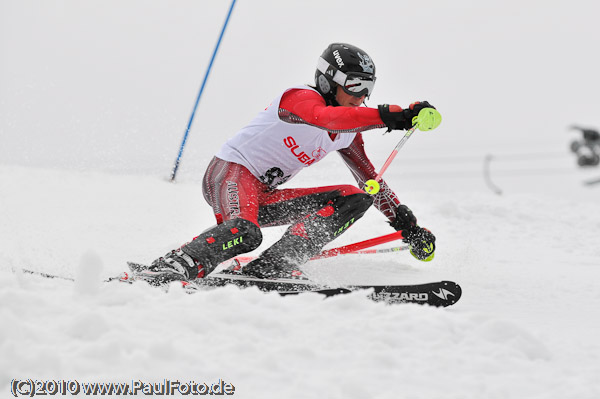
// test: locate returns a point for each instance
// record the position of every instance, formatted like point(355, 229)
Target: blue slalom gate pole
point(187, 130)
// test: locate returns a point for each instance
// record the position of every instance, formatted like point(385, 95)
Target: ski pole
point(380, 250)
point(331, 253)
point(372, 185)
point(358, 246)
point(355, 248)
point(428, 119)
point(395, 152)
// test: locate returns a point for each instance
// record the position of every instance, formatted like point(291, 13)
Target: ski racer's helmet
point(345, 65)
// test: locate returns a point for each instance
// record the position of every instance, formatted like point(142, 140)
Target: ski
point(439, 294)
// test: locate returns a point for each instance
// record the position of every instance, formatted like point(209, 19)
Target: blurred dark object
point(587, 148)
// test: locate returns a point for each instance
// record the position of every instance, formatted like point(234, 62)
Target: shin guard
point(222, 242)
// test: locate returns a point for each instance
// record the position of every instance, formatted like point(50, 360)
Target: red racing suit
point(234, 191)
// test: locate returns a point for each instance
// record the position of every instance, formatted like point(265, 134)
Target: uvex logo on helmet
point(338, 58)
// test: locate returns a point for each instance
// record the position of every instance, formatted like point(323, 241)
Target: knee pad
point(348, 210)
point(224, 241)
point(333, 219)
point(353, 206)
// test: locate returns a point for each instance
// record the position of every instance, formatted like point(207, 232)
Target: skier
point(300, 127)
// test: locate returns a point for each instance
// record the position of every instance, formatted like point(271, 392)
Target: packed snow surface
point(96, 96)
point(527, 324)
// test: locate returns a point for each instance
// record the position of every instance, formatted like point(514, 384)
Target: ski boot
point(199, 257)
point(174, 266)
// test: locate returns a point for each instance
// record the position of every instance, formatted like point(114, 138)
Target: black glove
point(420, 240)
point(405, 220)
point(401, 120)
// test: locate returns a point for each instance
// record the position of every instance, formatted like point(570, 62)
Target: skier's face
point(347, 100)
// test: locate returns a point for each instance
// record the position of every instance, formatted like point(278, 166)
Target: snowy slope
point(95, 97)
point(526, 326)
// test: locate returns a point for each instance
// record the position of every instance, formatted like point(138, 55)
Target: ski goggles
point(356, 84)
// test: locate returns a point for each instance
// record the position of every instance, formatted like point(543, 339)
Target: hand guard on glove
point(396, 118)
point(420, 240)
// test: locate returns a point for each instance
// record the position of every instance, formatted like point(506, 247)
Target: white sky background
point(111, 84)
